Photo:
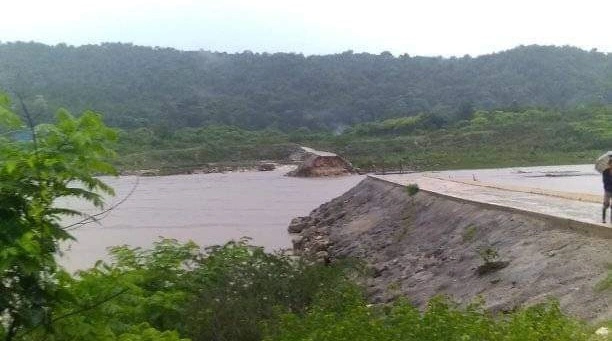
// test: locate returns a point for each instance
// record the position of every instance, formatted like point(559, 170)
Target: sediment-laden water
point(214, 208)
point(571, 178)
point(206, 208)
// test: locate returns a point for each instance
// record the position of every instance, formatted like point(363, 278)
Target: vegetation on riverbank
point(208, 147)
point(484, 139)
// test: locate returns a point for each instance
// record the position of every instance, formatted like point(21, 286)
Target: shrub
point(412, 189)
point(238, 287)
point(176, 289)
point(355, 320)
point(489, 256)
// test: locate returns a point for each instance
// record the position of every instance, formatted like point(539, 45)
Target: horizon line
point(395, 55)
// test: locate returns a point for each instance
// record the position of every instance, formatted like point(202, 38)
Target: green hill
point(137, 86)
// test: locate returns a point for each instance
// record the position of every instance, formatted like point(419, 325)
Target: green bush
point(175, 289)
point(355, 320)
point(412, 189)
point(238, 287)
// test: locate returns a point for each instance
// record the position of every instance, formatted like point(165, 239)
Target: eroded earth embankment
point(423, 245)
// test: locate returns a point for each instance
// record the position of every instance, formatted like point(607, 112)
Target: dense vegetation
point(175, 291)
point(483, 139)
point(166, 89)
point(54, 162)
point(237, 292)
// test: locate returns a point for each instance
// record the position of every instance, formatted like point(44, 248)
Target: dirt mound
point(423, 245)
point(315, 163)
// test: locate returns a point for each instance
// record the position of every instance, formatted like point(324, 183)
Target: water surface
point(206, 208)
point(214, 208)
point(569, 178)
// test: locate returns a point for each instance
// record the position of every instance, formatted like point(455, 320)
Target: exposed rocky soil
point(423, 245)
point(315, 163)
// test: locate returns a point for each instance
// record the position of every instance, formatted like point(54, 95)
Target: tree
point(53, 161)
point(465, 111)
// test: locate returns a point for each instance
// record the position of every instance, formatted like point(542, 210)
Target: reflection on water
point(574, 178)
point(206, 208)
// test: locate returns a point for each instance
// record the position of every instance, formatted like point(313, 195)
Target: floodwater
point(571, 178)
point(212, 209)
point(209, 209)
point(573, 182)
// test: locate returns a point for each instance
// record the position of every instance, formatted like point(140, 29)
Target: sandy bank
point(422, 245)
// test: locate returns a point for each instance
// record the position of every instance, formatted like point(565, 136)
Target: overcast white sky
point(416, 27)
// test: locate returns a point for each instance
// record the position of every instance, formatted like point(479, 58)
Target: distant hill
point(166, 88)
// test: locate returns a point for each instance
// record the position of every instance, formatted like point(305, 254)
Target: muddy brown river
point(214, 208)
point(206, 208)
point(572, 178)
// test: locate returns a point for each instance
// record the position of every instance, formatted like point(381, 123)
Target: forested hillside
point(136, 86)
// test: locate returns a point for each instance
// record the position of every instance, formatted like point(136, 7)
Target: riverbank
point(213, 167)
point(426, 244)
point(489, 139)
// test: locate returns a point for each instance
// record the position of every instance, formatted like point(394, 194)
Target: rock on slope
point(426, 245)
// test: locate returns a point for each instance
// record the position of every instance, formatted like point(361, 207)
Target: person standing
point(607, 183)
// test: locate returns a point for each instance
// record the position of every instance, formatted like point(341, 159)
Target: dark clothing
point(607, 180)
